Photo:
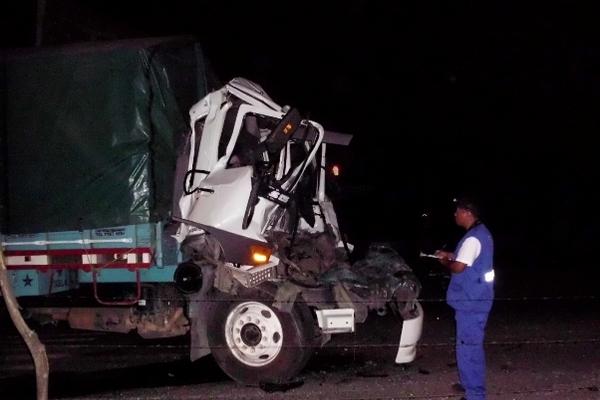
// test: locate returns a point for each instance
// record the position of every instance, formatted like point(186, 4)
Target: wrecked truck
point(219, 228)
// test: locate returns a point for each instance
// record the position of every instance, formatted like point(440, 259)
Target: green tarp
point(89, 132)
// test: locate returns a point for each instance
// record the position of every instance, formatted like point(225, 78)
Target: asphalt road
point(536, 349)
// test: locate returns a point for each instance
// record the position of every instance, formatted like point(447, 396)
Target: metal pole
point(35, 346)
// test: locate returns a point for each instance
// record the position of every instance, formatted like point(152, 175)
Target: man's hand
point(446, 258)
point(444, 255)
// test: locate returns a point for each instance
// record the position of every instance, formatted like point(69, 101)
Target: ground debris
point(371, 370)
point(271, 387)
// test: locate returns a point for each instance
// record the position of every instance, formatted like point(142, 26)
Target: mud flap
point(199, 307)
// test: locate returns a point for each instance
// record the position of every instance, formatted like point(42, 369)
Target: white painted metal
point(80, 241)
point(243, 110)
point(251, 93)
point(321, 185)
point(339, 320)
point(411, 333)
point(224, 207)
point(213, 109)
point(311, 158)
point(28, 260)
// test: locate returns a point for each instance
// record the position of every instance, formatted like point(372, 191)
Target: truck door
point(249, 182)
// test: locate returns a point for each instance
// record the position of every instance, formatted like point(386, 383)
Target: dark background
point(497, 100)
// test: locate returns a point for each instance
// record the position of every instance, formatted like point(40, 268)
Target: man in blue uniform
point(470, 294)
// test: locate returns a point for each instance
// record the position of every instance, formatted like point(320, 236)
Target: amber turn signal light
point(260, 254)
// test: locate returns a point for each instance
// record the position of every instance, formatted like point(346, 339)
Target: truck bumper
point(411, 333)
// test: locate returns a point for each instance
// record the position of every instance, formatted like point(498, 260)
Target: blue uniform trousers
point(470, 357)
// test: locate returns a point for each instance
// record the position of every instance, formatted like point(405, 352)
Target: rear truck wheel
point(254, 342)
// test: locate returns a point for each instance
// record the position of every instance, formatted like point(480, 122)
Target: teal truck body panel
point(53, 262)
point(88, 159)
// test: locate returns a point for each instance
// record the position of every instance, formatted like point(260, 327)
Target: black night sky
point(500, 100)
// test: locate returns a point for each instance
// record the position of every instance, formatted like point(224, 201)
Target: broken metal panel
point(309, 255)
point(235, 248)
point(265, 184)
point(345, 298)
point(286, 295)
point(253, 163)
point(381, 278)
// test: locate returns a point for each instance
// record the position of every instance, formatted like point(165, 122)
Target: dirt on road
point(536, 349)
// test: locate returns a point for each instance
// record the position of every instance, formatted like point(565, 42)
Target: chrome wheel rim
point(253, 333)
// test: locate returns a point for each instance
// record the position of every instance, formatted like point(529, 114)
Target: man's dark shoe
point(458, 388)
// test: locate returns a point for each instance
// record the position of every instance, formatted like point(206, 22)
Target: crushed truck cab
point(263, 243)
point(219, 227)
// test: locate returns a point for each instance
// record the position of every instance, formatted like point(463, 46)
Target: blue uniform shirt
point(473, 289)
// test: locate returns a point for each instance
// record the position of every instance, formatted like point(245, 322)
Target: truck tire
point(253, 342)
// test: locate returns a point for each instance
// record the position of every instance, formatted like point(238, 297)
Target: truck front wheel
point(254, 342)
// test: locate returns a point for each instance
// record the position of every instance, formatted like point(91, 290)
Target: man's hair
point(470, 204)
